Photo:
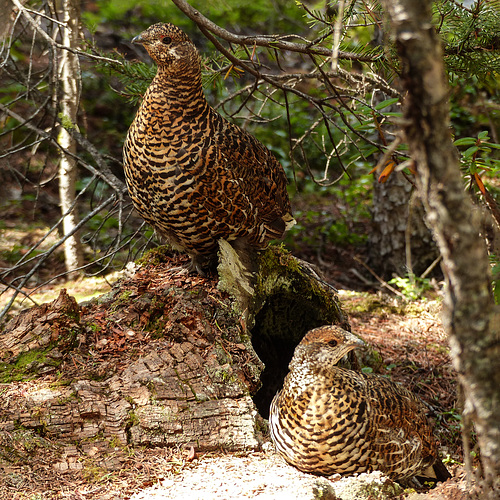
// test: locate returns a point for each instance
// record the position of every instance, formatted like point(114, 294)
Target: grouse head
point(325, 346)
point(169, 47)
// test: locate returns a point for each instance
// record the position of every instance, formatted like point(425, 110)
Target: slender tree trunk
point(70, 85)
point(468, 305)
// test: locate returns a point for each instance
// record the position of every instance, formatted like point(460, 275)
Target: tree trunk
point(164, 359)
point(468, 303)
point(400, 243)
point(70, 85)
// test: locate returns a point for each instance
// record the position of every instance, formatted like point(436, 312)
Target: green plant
point(449, 460)
point(478, 158)
point(470, 37)
point(412, 287)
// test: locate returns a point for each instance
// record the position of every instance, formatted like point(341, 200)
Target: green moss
point(152, 390)
point(289, 302)
point(93, 473)
point(124, 296)
point(155, 256)
point(357, 303)
point(438, 348)
point(60, 382)
point(66, 121)
point(96, 438)
point(189, 385)
point(297, 299)
point(27, 365)
point(19, 444)
point(223, 375)
point(323, 491)
point(371, 303)
point(120, 300)
point(132, 420)
point(380, 490)
point(94, 328)
point(129, 399)
point(5, 373)
point(71, 397)
point(114, 443)
point(97, 377)
point(261, 426)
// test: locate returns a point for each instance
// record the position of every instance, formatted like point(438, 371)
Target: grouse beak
point(354, 340)
point(139, 40)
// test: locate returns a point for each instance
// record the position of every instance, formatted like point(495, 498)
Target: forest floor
point(407, 333)
point(413, 350)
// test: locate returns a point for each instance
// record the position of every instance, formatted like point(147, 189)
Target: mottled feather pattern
point(193, 175)
point(329, 420)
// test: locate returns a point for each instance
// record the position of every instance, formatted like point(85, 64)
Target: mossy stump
point(164, 359)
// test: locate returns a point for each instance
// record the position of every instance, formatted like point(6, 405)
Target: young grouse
point(329, 420)
point(191, 174)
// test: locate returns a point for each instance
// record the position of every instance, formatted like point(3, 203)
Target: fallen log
point(164, 359)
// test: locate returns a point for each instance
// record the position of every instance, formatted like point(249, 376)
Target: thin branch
point(104, 173)
point(37, 28)
point(51, 250)
point(379, 279)
point(271, 41)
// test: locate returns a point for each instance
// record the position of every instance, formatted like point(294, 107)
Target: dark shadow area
point(279, 327)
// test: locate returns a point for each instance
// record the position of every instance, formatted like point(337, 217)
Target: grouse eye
point(332, 343)
point(166, 40)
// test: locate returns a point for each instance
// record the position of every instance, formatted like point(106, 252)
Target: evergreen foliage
point(471, 36)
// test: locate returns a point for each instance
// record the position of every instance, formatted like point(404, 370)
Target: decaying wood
point(163, 359)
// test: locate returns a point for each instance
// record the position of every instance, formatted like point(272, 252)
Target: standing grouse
point(191, 174)
point(329, 420)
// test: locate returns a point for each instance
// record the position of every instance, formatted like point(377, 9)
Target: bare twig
point(27, 14)
point(379, 279)
point(271, 41)
point(51, 250)
point(104, 173)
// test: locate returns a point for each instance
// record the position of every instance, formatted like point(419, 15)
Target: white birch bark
point(70, 86)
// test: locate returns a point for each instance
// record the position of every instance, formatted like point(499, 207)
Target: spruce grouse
point(191, 174)
point(329, 420)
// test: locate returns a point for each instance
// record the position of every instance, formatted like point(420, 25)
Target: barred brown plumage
point(191, 174)
point(329, 420)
